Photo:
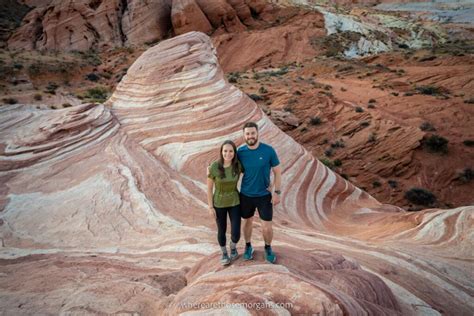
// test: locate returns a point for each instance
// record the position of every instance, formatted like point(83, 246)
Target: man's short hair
point(250, 124)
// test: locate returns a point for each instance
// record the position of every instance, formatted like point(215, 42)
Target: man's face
point(250, 135)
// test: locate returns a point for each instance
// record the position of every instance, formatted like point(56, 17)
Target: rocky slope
point(103, 211)
point(305, 65)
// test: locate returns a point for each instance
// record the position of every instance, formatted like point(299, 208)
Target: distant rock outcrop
point(103, 211)
point(92, 24)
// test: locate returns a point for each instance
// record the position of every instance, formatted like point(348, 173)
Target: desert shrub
point(255, 97)
point(262, 90)
point(337, 163)
point(427, 126)
point(97, 94)
point(233, 77)
point(436, 143)
point(316, 120)
point(10, 101)
point(371, 106)
point(38, 97)
point(468, 143)
point(429, 90)
point(93, 77)
point(392, 183)
point(372, 137)
point(420, 196)
point(338, 144)
point(372, 101)
point(288, 108)
point(469, 101)
point(327, 162)
point(358, 109)
point(51, 88)
point(467, 175)
point(376, 184)
point(328, 152)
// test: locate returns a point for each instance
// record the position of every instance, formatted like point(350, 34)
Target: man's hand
point(212, 212)
point(275, 199)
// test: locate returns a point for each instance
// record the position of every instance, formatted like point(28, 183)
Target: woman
point(223, 175)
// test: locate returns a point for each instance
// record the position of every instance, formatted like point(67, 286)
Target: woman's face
point(228, 152)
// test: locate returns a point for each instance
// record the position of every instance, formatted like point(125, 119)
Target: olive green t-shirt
point(225, 193)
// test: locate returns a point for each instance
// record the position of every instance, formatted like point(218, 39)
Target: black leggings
point(221, 220)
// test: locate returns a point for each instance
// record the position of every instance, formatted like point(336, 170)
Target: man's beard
point(251, 141)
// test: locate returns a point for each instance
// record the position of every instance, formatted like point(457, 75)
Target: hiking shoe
point(248, 254)
point(270, 255)
point(233, 254)
point(225, 260)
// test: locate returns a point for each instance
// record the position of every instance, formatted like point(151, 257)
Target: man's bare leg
point(267, 230)
point(248, 224)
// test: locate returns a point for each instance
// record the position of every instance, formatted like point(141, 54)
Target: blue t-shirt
point(257, 164)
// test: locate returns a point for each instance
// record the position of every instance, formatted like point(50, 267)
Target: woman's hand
point(212, 212)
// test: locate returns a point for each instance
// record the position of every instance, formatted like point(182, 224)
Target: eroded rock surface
point(103, 211)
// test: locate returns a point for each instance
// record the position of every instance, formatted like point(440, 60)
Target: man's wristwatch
point(278, 192)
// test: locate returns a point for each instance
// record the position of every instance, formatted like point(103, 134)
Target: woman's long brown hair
point(235, 162)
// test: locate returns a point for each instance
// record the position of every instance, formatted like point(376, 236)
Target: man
point(257, 159)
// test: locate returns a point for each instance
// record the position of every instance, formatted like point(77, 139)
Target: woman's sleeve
point(210, 173)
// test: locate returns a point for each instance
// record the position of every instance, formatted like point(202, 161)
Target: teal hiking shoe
point(225, 260)
point(248, 253)
point(270, 255)
point(233, 254)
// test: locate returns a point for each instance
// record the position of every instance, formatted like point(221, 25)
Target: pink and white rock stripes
point(103, 211)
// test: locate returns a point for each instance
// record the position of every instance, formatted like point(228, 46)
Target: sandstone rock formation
point(95, 24)
point(102, 211)
point(11, 16)
point(187, 16)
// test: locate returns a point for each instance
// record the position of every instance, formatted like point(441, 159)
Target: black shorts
point(263, 204)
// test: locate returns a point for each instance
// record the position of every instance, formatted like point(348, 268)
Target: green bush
point(327, 162)
point(97, 94)
point(420, 196)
